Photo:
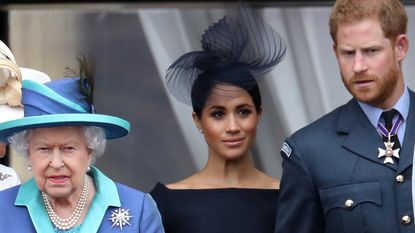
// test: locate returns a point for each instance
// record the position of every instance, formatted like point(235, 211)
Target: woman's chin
point(234, 156)
point(58, 193)
point(60, 190)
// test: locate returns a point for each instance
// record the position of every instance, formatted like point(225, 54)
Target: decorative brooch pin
point(4, 176)
point(120, 218)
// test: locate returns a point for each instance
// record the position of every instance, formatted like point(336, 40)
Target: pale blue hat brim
point(114, 127)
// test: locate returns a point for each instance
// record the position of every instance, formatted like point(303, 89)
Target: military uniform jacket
point(8, 177)
point(334, 182)
point(22, 210)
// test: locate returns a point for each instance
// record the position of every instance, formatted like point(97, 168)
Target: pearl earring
point(29, 167)
point(88, 169)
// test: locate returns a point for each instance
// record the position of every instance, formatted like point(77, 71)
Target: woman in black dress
point(229, 194)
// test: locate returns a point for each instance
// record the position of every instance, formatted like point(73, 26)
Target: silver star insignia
point(4, 176)
point(388, 152)
point(120, 217)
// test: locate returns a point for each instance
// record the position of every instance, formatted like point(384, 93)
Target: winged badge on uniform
point(4, 176)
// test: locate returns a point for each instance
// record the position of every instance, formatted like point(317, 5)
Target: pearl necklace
point(68, 223)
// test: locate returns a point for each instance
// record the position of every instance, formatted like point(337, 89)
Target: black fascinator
point(235, 50)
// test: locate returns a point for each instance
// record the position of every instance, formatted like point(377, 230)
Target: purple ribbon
point(396, 123)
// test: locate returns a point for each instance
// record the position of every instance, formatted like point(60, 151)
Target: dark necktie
point(388, 116)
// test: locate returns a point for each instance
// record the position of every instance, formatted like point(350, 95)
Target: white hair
point(94, 138)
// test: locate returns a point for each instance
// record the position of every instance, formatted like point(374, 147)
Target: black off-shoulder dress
point(222, 210)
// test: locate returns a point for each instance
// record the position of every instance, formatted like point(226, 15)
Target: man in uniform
point(10, 107)
point(351, 170)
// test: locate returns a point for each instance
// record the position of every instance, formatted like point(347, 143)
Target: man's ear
point(401, 47)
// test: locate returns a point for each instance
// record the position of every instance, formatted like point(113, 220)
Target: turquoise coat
point(22, 209)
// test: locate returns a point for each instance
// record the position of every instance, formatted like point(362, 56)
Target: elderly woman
point(61, 137)
point(11, 77)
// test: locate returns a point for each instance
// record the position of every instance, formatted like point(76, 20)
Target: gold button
point(399, 178)
point(349, 203)
point(406, 220)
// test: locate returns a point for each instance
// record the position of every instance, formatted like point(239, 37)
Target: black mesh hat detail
point(235, 50)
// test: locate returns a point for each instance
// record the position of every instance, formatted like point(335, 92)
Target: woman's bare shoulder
point(268, 182)
point(190, 182)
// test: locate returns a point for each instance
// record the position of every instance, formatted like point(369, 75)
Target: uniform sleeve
point(150, 219)
point(11, 178)
point(16, 180)
point(299, 208)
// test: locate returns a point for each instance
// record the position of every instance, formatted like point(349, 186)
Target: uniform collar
point(373, 113)
point(106, 195)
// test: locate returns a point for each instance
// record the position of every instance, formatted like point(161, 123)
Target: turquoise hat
point(60, 103)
